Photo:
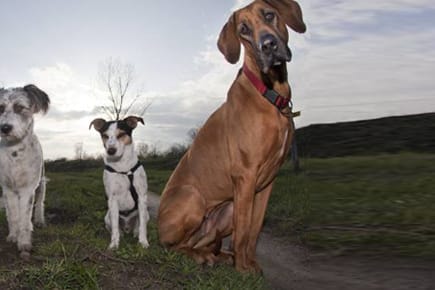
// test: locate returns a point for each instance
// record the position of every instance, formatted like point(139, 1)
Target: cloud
point(172, 114)
point(359, 59)
point(364, 60)
point(345, 67)
point(66, 88)
point(73, 101)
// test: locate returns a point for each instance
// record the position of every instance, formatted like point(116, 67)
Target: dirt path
point(290, 267)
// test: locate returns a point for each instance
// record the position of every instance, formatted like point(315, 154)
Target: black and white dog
point(125, 180)
point(21, 164)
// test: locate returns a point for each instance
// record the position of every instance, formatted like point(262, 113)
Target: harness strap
point(130, 175)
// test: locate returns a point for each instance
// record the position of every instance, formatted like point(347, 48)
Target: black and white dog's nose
point(111, 151)
point(268, 44)
point(6, 128)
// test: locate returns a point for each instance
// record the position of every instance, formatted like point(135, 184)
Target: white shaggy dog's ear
point(133, 120)
point(38, 98)
point(98, 124)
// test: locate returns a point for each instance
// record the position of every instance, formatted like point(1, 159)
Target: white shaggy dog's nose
point(6, 129)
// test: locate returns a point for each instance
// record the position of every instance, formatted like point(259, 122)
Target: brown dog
point(222, 184)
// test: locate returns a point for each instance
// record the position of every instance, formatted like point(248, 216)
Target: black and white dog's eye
point(269, 16)
point(104, 136)
point(244, 29)
point(121, 135)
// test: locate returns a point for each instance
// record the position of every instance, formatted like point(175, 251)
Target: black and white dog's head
point(17, 106)
point(116, 135)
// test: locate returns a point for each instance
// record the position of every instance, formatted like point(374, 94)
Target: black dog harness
point(130, 175)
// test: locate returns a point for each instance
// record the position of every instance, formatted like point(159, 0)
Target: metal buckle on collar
point(271, 95)
point(279, 101)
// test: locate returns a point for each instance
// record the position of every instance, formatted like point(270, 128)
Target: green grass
point(381, 204)
point(70, 253)
point(366, 205)
point(157, 179)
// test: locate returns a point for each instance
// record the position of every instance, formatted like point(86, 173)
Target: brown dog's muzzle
point(272, 51)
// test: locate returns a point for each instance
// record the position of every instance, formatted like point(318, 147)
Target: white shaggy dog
point(21, 163)
point(125, 180)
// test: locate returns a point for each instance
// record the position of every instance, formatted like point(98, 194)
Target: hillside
point(413, 133)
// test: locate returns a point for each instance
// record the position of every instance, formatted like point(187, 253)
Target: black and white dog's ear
point(98, 124)
point(38, 98)
point(133, 120)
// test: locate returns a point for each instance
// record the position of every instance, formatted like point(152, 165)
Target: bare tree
point(142, 149)
point(79, 151)
point(191, 134)
point(117, 80)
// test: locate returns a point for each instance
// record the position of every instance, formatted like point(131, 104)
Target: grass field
point(366, 205)
point(369, 205)
point(71, 252)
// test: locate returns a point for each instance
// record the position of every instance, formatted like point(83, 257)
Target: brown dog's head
point(261, 28)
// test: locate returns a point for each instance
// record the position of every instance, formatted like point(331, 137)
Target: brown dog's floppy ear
point(291, 12)
point(133, 120)
point(228, 42)
point(38, 98)
point(98, 124)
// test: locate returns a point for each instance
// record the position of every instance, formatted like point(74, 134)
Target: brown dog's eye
point(105, 136)
point(269, 16)
point(244, 29)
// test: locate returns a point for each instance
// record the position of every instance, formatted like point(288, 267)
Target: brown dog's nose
point(6, 129)
point(268, 44)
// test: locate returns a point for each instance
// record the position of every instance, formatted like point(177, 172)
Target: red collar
point(272, 96)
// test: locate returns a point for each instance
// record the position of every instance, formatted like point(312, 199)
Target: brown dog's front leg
point(243, 207)
point(260, 206)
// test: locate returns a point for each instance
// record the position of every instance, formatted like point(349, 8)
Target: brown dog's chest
point(276, 156)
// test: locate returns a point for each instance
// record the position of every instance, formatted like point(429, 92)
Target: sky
point(359, 59)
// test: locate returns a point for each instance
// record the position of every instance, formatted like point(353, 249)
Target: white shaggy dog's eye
point(18, 108)
point(2, 109)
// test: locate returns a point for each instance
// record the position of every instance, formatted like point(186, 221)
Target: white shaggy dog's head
point(116, 134)
point(17, 106)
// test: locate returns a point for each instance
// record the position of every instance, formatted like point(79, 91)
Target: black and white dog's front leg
point(114, 222)
point(143, 220)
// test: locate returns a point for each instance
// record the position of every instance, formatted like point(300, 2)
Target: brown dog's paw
point(249, 268)
point(225, 257)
